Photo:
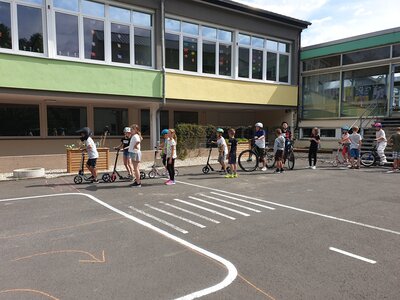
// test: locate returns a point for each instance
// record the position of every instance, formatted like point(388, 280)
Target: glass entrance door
point(396, 88)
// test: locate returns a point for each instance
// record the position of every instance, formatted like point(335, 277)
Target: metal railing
point(370, 114)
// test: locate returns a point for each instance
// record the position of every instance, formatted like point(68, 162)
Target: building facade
point(346, 79)
point(65, 64)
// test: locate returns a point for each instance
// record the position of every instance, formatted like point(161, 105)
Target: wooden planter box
point(242, 146)
point(74, 157)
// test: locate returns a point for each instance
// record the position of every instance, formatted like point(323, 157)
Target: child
point(135, 153)
point(312, 151)
point(355, 147)
point(345, 142)
point(171, 156)
point(395, 142)
point(287, 134)
point(222, 149)
point(232, 154)
point(381, 143)
point(124, 146)
point(91, 149)
point(259, 140)
point(163, 147)
point(279, 147)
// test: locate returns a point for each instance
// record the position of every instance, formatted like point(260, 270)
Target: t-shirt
point(170, 144)
point(134, 140)
point(395, 138)
point(125, 142)
point(279, 143)
point(287, 134)
point(91, 148)
point(260, 142)
point(233, 142)
point(222, 145)
point(314, 144)
point(381, 134)
point(345, 138)
point(355, 140)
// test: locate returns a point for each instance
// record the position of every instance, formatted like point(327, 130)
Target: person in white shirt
point(355, 148)
point(135, 153)
point(171, 155)
point(91, 149)
point(381, 142)
point(259, 141)
point(222, 149)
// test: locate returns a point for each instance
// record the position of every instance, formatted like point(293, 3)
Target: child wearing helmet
point(345, 142)
point(163, 146)
point(91, 149)
point(222, 149)
point(124, 146)
point(381, 142)
point(259, 141)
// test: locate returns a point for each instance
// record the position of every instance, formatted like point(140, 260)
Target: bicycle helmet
point(259, 124)
point(220, 130)
point(164, 132)
point(378, 125)
point(127, 130)
point(345, 127)
point(86, 131)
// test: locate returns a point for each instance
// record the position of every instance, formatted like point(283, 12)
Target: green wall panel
point(368, 42)
point(24, 72)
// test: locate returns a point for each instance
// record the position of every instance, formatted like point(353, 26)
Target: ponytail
point(137, 129)
point(173, 134)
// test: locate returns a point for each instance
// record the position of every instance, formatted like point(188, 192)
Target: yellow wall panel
point(198, 88)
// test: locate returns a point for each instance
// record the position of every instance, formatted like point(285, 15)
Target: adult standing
point(381, 143)
point(314, 145)
point(259, 140)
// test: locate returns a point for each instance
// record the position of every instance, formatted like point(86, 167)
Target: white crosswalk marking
point(176, 216)
point(206, 209)
point(231, 203)
point(191, 212)
point(159, 220)
point(244, 201)
point(220, 206)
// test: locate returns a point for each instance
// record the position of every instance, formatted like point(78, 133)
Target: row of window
point(352, 58)
point(83, 29)
point(326, 96)
point(209, 50)
point(24, 120)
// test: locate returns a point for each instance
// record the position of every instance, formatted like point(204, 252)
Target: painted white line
point(232, 271)
point(231, 203)
point(353, 255)
point(299, 209)
point(176, 216)
point(244, 201)
point(191, 213)
point(159, 220)
point(206, 209)
point(220, 206)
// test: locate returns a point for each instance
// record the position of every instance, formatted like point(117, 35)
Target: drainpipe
point(299, 89)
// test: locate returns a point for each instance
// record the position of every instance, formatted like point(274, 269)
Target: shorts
point(355, 153)
point(221, 157)
point(232, 159)
point(136, 156)
point(396, 155)
point(91, 162)
point(260, 152)
point(126, 153)
point(279, 155)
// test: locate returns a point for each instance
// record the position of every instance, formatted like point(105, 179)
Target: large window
point(188, 117)
point(112, 119)
point(19, 120)
point(145, 120)
point(65, 120)
point(5, 25)
point(278, 61)
point(362, 88)
point(396, 50)
point(366, 55)
point(321, 96)
point(321, 63)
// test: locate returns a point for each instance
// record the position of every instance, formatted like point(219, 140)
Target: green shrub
point(190, 137)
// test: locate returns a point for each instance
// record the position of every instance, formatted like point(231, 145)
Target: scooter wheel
point(152, 174)
point(206, 170)
point(176, 172)
point(142, 175)
point(106, 178)
point(113, 178)
point(78, 179)
point(228, 170)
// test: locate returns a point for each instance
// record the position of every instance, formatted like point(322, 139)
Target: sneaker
point(167, 182)
point(264, 169)
point(229, 176)
point(235, 176)
point(313, 167)
point(282, 171)
point(170, 182)
point(135, 184)
point(95, 181)
point(277, 171)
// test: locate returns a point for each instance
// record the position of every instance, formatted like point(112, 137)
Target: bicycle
point(289, 155)
point(249, 160)
point(370, 158)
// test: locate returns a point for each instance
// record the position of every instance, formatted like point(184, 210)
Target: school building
point(349, 81)
point(65, 64)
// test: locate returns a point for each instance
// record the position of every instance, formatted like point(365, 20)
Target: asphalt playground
point(330, 233)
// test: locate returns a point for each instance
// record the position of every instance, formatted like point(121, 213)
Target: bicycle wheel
point(248, 161)
point(291, 160)
point(367, 159)
point(270, 158)
point(152, 174)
